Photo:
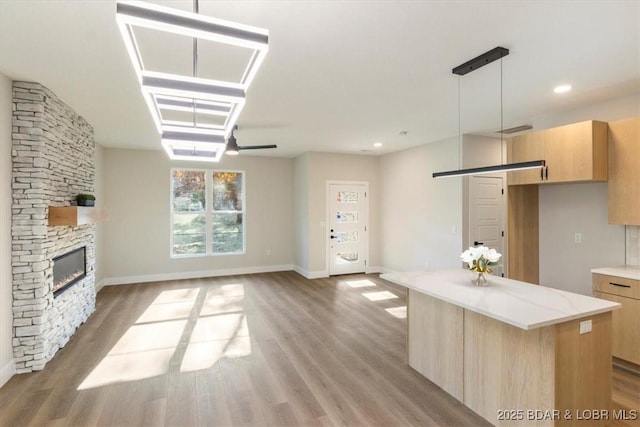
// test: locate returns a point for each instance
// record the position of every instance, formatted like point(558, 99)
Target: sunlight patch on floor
point(157, 342)
point(144, 351)
point(119, 368)
point(379, 296)
point(399, 312)
point(150, 336)
point(217, 336)
point(229, 290)
point(360, 283)
point(177, 295)
point(216, 305)
point(166, 311)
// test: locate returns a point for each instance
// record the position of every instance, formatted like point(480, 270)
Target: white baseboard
point(310, 274)
point(7, 372)
point(385, 270)
point(373, 269)
point(125, 280)
point(100, 285)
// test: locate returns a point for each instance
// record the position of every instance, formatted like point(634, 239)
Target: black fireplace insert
point(69, 269)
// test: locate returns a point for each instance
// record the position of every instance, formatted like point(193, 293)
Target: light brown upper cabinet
point(576, 152)
point(624, 171)
point(524, 148)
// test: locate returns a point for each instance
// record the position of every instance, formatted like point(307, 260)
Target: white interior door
point(347, 239)
point(486, 214)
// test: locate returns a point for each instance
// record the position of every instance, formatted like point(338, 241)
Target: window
point(207, 212)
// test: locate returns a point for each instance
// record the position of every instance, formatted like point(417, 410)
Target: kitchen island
point(513, 352)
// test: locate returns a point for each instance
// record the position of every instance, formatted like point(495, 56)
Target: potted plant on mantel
point(85, 200)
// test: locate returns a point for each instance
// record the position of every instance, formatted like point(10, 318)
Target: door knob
point(476, 243)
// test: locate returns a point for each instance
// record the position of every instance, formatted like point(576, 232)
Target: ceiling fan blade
point(256, 147)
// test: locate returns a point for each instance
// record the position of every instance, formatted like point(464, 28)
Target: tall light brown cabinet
point(573, 153)
point(624, 172)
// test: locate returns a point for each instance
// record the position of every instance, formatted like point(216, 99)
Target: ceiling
point(341, 75)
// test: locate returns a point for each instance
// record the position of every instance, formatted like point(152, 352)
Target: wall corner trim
point(6, 372)
point(101, 284)
point(374, 269)
point(310, 274)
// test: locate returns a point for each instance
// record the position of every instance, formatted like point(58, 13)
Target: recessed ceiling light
point(562, 89)
point(377, 144)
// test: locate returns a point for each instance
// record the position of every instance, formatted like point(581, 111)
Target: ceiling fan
point(233, 149)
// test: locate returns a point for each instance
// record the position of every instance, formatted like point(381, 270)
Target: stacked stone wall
point(53, 158)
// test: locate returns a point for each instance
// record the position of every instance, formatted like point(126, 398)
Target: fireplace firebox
point(69, 269)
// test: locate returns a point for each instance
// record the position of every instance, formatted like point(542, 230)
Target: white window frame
point(209, 212)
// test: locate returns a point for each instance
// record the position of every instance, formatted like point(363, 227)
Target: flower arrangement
point(481, 258)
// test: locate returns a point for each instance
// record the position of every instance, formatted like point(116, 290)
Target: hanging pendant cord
point(195, 60)
point(459, 130)
point(501, 119)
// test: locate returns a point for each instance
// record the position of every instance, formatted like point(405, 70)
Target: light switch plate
point(585, 326)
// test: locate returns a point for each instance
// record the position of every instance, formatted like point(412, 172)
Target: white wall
point(321, 167)
point(614, 109)
point(421, 216)
point(301, 213)
point(566, 209)
point(7, 367)
point(100, 194)
point(136, 237)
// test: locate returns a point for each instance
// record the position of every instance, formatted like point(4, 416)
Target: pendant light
point(469, 66)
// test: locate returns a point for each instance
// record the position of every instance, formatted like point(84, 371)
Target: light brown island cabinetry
point(624, 171)
point(510, 346)
point(573, 153)
point(625, 327)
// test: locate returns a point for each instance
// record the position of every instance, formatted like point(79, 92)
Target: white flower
point(493, 255)
point(480, 258)
point(468, 257)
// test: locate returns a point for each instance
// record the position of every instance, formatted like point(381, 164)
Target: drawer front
point(625, 327)
point(616, 285)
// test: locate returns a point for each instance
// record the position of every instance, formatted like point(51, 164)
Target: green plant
point(81, 197)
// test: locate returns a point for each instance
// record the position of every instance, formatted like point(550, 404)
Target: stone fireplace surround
point(53, 159)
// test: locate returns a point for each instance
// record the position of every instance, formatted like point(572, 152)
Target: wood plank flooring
point(269, 349)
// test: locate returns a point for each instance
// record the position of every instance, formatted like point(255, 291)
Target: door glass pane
point(227, 191)
point(347, 197)
point(188, 191)
point(346, 237)
point(346, 257)
point(346, 217)
point(227, 232)
point(189, 233)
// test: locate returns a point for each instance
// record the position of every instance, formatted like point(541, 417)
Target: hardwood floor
point(269, 349)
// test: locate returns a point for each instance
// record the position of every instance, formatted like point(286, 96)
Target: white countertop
point(626, 271)
point(520, 304)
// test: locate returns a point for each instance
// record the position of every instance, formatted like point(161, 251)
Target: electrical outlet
point(585, 327)
point(577, 237)
point(268, 252)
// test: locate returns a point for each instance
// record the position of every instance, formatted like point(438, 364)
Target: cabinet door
point(624, 171)
point(576, 152)
point(524, 148)
point(625, 327)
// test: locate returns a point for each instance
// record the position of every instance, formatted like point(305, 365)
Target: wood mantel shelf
point(75, 215)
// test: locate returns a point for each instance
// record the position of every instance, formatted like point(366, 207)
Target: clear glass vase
point(481, 278)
